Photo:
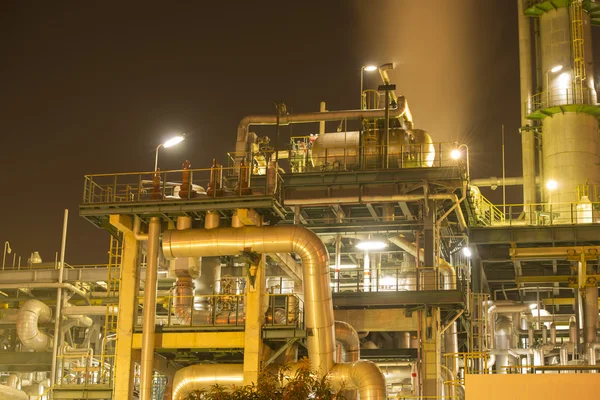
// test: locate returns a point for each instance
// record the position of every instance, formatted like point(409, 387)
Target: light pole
point(457, 153)
point(554, 70)
point(368, 68)
point(6, 248)
point(169, 143)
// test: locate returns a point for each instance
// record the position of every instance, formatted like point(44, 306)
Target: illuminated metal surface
point(277, 239)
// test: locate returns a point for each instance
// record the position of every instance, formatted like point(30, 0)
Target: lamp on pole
point(368, 68)
point(554, 70)
point(8, 250)
point(457, 154)
point(169, 143)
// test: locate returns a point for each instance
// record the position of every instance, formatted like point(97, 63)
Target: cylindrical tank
point(341, 150)
point(571, 152)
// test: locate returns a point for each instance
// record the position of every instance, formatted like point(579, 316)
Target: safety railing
point(218, 310)
point(560, 97)
point(552, 369)
point(540, 214)
point(285, 311)
point(359, 279)
point(303, 156)
point(187, 184)
point(84, 369)
point(471, 363)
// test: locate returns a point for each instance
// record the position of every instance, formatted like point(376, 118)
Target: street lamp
point(457, 154)
point(6, 249)
point(169, 143)
point(554, 70)
point(368, 68)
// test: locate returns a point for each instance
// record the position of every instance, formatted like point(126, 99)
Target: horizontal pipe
point(246, 122)
point(494, 181)
point(204, 376)
point(90, 310)
point(553, 253)
point(273, 239)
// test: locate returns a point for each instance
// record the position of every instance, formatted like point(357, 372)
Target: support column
point(430, 368)
point(149, 309)
point(123, 375)
point(253, 344)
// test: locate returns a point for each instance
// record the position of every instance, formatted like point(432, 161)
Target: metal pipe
point(501, 309)
point(592, 348)
point(147, 360)
point(590, 309)
point(527, 136)
point(8, 393)
point(31, 313)
point(347, 336)
point(274, 239)
point(90, 310)
point(364, 376)
point(446, 270)
point(494, 181)
point(246, 122)
point(137, 227)
point(57, 318)
point(451, 345)
point(203, 376)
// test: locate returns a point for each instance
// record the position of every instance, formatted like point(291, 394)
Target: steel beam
point(194, 340)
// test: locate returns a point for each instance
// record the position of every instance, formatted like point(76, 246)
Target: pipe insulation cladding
point(30, 314)
point(274, 239)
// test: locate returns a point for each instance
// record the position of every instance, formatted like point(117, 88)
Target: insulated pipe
point(30, 314)
point(527, 137)
point(347, 336)
point(8, 393)
point(274, 239)
point(501, 309)
point(203, 376)
point(451, 345)
point(246, 122)
point(147, 359)
point(590, 309)
point(494, 181)
point(592, 348)
point(446, 270)
point(364, 376)
point(90, 310)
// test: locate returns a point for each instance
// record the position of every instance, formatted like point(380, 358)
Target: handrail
point(555, 97)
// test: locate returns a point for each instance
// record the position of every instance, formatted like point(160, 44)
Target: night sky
point(93, 87)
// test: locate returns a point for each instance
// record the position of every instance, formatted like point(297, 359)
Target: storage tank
point(340, 150)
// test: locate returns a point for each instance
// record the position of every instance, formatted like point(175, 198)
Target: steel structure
point(370, 250)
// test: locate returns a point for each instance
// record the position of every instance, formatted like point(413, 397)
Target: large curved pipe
point(364, 376)
point(446, 270)
point(347, 336)
point(8, 393)
point(30, 314)
point(246, 122)
point(203, 376)
point(273, 239)
point(501, 309)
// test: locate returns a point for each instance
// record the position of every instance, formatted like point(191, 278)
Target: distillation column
point(566, 105)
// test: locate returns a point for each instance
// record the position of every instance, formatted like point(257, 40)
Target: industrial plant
point(366, 246)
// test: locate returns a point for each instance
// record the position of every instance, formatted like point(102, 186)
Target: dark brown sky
point(90, 87)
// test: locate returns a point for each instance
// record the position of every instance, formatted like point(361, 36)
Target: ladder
point(115, 253)
point(577, 37)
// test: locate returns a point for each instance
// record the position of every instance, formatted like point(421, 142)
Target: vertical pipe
point(527, 137)
point(590, 313)
point(63, 247)
point(338, 260)
point(387, 127)
point(149, 309)
point(322, 108)
point(367, 273)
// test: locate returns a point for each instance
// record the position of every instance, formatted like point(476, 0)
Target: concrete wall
point(533, 387)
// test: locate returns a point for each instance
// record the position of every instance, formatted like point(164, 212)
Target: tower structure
point(563, 109)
